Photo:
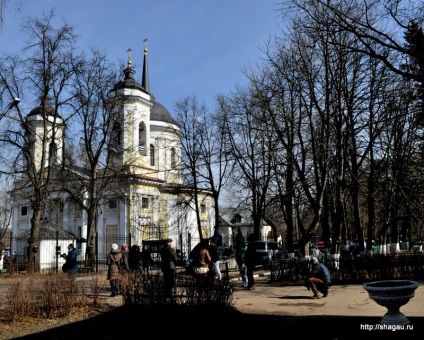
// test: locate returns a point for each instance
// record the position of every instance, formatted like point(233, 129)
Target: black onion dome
point(161, 114)
point(40, 109)
point(128, 82)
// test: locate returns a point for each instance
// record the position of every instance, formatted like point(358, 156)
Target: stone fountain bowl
point(392, 294)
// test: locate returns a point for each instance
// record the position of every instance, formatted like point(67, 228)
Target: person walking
point(318, 279)
point(201, 259)
point(240, 248)
point(213, 252)
point(134, 259)
point(124, 264)
point(146, 262)
point(201, 262)
point(169, 265)
point(113, 261)
point(250, 261)
point(71, 265)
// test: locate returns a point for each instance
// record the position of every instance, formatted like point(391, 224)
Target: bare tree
point(86, 182)
point(3, 6)
point(365, 49)
point(5, 210)
point(204, 162)
point(385, 30)
point(290, 94)
point(251, 145)
point(215, 156)
point(188, 114)
point(45, 72)
point(281, 99)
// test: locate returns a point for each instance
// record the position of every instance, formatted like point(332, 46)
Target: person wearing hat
point(169, 265)
point(124, 265)
point(113, 261)
point(71, 264)
point(318, 279)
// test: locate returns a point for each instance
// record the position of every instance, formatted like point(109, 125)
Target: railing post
point(96, 244)
point(56, 251)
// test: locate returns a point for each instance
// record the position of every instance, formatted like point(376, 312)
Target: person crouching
point(318, 279)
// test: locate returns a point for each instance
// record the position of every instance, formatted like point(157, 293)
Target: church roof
point(158, 113)
point(40, 109)
point(48, 230)
point(129, 81)
point(161, 114)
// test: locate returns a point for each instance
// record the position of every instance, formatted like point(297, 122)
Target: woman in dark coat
point(125, 267)
point(113, 261)
point(71, 264)
point(146, 259)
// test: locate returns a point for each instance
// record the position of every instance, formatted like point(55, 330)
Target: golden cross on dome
point(129, 56)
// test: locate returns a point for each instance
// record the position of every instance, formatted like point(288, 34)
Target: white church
point(145, 139)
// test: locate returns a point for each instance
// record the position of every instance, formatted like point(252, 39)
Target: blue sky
point(196, 47)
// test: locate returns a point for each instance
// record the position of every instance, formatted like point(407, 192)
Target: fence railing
point(354, 268)
point(48, 255)
point(405, 265)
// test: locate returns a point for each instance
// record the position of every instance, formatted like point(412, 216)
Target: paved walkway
point(294, 300)
point(342, 300)
point(347, 313)
point(270, 311)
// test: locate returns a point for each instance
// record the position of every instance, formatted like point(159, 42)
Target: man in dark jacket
point(250, 261)
point(169, 261)
point(318, 279)
point(240, 254)
point(71, 264)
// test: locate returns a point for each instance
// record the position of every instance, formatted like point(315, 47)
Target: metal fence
point(48, 255)
point(355, 269)
point(405, 265)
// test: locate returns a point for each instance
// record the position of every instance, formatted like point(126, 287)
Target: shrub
point(187, 291)
point(42, 295)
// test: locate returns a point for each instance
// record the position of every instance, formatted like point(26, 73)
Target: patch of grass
point(54, 296)
point(42, 295)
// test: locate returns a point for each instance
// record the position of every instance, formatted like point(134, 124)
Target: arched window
point(142, 138)
point(115, 137)
point(173, 159)
point(152, 155)
point(53, 153)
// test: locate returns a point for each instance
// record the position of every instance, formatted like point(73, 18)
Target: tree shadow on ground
point(217, 322)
